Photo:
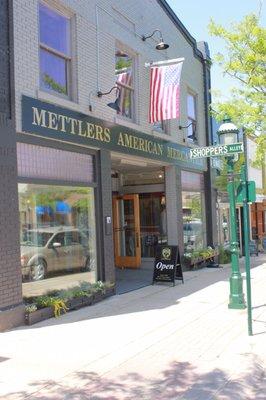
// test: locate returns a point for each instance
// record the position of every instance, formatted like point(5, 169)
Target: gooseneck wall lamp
point(161, 45)
point(228, 134)
point(115, 106)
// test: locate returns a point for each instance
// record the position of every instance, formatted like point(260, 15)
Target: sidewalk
point(156, 343)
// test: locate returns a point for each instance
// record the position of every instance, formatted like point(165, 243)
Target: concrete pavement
point(159, 342)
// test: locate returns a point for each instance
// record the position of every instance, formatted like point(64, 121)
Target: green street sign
point(216, 151)
point(240, 194)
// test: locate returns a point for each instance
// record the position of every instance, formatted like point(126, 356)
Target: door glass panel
point(152, 222)
point(126, 230)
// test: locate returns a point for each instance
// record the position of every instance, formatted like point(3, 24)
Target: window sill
point(192, 144)
point(167, 137)
point(126, 122)
point(52, 98)
point(162, 135)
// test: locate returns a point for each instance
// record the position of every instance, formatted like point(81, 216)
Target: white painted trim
point(164, 62)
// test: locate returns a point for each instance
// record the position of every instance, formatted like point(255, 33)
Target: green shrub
point(224, 255)
point(57, 298)
point(29, 308)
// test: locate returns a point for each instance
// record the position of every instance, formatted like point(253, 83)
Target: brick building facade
point(65, 52)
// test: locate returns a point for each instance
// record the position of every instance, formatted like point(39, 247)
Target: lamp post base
point(236, 298)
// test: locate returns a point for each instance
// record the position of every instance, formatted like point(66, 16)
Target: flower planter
point(87, 300)
point(98, 296)
point(78, 302)
point(39, 315)
point(109, 292)
point(72, 304)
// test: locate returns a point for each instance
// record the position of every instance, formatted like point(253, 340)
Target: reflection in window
point(153, 226)
point(193, 231)
point(124, 80)
point(225, 226)
point(160, 126)
point(57, 236)
point(54, 50)
point(191, 118)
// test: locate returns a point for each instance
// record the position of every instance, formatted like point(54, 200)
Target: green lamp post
point(228, 134)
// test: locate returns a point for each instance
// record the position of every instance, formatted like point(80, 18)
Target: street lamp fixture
point(228, 134)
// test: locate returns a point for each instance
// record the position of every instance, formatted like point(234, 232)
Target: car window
point(59, 238)
point(76, 237)
point(35, 238)
point(71, 238)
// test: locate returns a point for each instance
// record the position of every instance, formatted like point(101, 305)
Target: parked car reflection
point(53, 249)
point(192, 231)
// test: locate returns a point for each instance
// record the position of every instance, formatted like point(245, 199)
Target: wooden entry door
point(127, 231)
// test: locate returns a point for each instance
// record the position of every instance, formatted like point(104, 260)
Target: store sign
point(216, 151)
point(51, 121)
point(166, 263)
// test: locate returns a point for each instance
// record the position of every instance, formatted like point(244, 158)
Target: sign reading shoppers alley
point(165, 264)
point(216, 151)
point(51, 121)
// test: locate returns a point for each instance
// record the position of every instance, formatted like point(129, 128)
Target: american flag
point(164, 92)
point(123, 78)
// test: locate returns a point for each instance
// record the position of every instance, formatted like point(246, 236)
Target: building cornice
point(183, 30)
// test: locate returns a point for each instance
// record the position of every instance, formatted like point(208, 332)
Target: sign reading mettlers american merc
point(54, 122)
point(216, 151)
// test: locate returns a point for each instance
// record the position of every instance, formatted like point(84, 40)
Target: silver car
point(49, 250)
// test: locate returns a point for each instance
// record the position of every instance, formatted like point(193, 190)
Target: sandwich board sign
point(167, 265)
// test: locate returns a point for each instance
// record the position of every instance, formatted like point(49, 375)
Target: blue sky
point(196, 14)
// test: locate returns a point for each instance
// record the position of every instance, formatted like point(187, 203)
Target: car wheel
point(89, 264)
point(38, 270)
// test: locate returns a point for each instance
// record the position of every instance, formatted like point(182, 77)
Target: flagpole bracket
point(164, 62)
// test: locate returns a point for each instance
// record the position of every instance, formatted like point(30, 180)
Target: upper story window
point(161, 127)
point(124, 72)
point(191, 117)
point(55, 51)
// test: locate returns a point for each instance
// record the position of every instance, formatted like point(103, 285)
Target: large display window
point(194, 226)
point(57, 226)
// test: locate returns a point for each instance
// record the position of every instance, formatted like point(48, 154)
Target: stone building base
point(12, 317)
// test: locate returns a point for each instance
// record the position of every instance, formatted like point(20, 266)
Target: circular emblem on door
point(166, 253)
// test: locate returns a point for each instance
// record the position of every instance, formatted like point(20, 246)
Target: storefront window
point(57, 237)
point(224, 233)
point(192, 220)
point(57, 219)
point(152, 222)
point(193, 211)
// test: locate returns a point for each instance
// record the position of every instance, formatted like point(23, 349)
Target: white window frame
point(164, 129)
point(132, 88)
point(50, 50)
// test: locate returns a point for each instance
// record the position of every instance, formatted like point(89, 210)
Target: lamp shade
point(228, 132)
point(115, 106)
point(161, 45)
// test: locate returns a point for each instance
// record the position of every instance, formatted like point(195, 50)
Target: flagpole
point(155, 63)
